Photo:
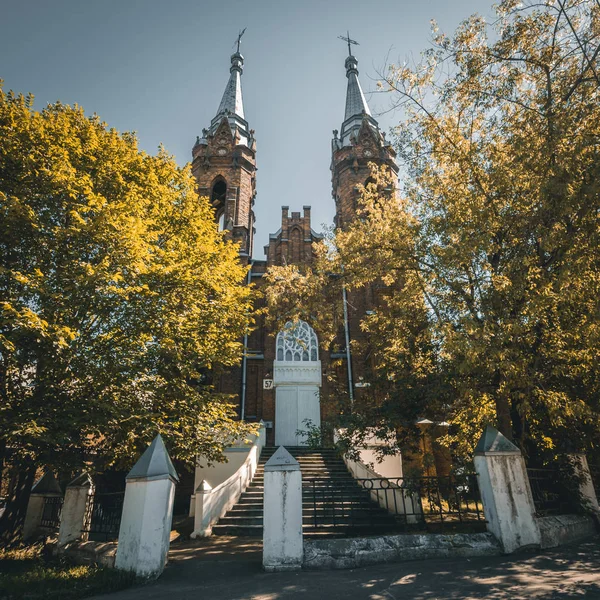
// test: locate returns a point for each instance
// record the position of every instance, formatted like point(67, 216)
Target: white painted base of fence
point(353, 553)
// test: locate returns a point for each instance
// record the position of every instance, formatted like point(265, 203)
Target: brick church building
point(282, 378)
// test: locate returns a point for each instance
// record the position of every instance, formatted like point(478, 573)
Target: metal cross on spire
point(239, 39)
point(350, 41)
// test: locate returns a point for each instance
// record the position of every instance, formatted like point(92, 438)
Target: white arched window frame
point(297, 342)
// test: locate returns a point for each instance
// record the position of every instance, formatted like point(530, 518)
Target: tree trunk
point(2, 458)
point(13, 519)
point(503, 416)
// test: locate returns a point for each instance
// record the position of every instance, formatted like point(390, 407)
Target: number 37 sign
point(267, 384)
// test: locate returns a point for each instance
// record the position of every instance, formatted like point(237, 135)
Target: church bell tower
point(359, 143)
point(224, 163)
point(354, 148)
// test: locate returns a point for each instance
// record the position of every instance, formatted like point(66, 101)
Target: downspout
point(348, 355)
point(244, 356)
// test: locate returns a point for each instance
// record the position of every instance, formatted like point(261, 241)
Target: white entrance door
point(294, 406)
point(297, 379)
point(286, 415)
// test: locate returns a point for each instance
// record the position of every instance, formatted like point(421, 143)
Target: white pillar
point(505, 492)
point(76, 510)
point(282, 515)
point(145, 531)
point(46, 487)
point(202, 525)
point(586, 487)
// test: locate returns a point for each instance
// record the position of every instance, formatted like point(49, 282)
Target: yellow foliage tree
point(118, 299)
point(498, 231)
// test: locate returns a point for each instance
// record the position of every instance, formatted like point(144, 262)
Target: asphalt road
point(225, 570)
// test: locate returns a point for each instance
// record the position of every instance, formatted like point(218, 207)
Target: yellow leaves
point(115, 280)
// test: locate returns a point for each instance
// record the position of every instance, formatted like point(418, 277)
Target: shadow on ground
point(230, 569)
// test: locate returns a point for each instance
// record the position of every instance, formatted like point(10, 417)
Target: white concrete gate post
point(586, 485)
point(144, 534)
point(76, 510)
point(505, 491)
point(282, 521)
point(46, 487)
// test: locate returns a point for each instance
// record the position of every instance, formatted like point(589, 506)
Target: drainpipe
point(244, 356)
point(348, 355)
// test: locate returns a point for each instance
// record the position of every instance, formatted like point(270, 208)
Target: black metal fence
point(548, 490)
point(104, 516)
point(393, 504)
point(181, 503)
point(51, 512)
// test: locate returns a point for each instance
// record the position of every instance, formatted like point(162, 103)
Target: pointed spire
point(356, 103)
point(357, 109)
point(232, 104)
point(232, 97)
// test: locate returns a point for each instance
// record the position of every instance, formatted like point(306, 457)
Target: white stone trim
point(297, 373)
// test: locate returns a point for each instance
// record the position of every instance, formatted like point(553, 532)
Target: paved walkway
point(230, 569)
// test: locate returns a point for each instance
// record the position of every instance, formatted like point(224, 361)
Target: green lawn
point(26, 573)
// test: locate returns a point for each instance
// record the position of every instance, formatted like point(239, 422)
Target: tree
point(119, 298)
point(398, 350)
point(501, 147)
point(499, 221)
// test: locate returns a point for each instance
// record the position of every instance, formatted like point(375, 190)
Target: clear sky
point(159, 68)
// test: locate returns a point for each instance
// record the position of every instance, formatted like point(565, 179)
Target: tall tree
point(118, 299)
point(501, 147)
point(498, 226)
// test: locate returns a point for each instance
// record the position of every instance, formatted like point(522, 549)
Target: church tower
point(224, 163)
point(359, 143)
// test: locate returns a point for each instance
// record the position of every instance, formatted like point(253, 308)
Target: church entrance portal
point(297, 379)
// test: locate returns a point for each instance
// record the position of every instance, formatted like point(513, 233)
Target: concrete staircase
point(329, 492)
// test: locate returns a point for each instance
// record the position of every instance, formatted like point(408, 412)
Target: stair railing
point(211, 503)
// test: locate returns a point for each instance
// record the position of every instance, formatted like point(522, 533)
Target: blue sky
point(159, 69)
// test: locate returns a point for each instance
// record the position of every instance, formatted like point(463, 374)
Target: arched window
point(297, 343)
point(218, 196)
point(295, 237)
point(218, 193)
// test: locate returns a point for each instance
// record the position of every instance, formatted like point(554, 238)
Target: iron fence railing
point(396, 503)
point(548, 490)
point(103, 517)
point(181, 502)
point(51, 512)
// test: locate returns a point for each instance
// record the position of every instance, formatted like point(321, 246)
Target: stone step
point(316, 477)
point(257, 501)
point(329, 494)
point(322, 492)
point(323, 520)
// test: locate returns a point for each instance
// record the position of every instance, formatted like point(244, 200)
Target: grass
point(28, 573)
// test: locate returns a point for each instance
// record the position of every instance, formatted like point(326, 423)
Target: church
point(282, 379)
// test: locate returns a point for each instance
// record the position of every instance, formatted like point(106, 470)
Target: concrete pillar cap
point(282, 460)
point(155, 463)
point(492, 441)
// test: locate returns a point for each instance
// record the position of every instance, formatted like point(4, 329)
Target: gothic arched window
point(218, 196)
point(218, 193)
point(297, 343)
